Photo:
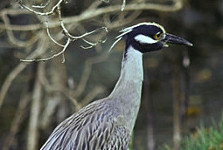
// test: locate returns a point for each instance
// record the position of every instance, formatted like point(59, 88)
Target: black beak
point(173, 39)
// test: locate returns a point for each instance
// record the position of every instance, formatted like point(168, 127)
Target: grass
point(204, 138)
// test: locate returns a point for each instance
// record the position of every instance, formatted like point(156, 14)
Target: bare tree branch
point(86, 73)
point(48, 33)
point(53, 98)
point(42, 5)
point(17, 120)
point(50, 107)
point(65, 31)
point(73, 100)
point(123, 5)
point(33, 136)
point(11, 36)
point(91, 44)
point(41, 13)
point(50, 57)
point(92, 13)
point(41, 48)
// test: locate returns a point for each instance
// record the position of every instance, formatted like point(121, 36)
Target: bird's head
point(147, 37)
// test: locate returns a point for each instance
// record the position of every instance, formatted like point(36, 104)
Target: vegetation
point(204, 138)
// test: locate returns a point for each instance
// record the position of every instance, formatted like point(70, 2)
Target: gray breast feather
point(92, 128)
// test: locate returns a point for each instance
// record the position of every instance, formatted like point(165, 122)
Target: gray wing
point(92, 128)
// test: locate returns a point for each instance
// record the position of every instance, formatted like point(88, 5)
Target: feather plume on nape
point(119, 37)
point(114, 44)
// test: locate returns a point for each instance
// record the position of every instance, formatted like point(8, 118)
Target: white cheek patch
point(145, 39)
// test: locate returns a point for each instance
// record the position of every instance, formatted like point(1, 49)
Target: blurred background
point(182, 86)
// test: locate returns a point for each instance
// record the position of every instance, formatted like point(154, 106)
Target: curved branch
point(50, 57)
point(42, 47)
point(92, 13)
point(86, 73)
point(11, 36)
point(41, 13)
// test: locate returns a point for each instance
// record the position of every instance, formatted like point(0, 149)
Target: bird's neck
point(127, 92)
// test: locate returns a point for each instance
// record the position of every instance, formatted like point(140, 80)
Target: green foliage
point(205, 138)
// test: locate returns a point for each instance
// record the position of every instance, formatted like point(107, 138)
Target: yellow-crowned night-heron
point(107, 124)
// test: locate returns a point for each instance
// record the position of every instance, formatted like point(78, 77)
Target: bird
point(107, 124)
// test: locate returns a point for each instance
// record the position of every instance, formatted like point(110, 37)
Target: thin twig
point(95, 4)
point(89, 14)
point(92, 13)
point(91, 44)
point(106, 1)
point(73, 100)
point(42, 6)
point(17, 12)
point(86, 73)
point(123, 5)
point(11, 36)
point(41, 13)
point(51, 57)
point(81, 36)
point(122, 20)
point(89, 33)
point(48, 33)
point(75, 37)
